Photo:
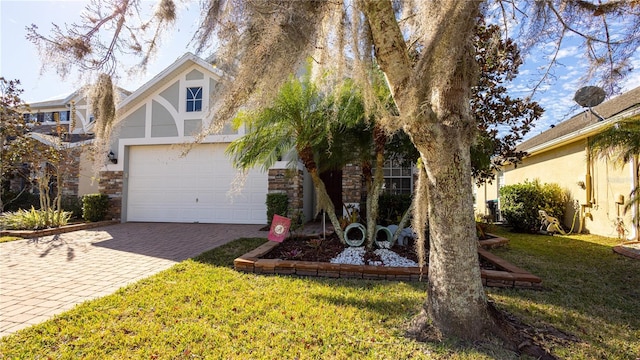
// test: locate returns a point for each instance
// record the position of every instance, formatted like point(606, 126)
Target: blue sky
point(19, 58)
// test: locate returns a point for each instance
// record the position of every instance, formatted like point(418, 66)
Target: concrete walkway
point(49, 275)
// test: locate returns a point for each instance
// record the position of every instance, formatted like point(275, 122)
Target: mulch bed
point(323, 250)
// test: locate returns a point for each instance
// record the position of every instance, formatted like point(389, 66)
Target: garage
point(164, 186)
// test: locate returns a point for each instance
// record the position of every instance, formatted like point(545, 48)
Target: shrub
point(391, 207)
point(26, 200)
point(34, 219)
point(94, 207)
point(277, 204)
point(72, 204)
point(520, 203)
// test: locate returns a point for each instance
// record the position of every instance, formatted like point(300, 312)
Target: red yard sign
point(279, 228)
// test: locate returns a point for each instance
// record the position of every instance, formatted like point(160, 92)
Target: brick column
point(287, 181)
point(352, 183)
point(111, 185)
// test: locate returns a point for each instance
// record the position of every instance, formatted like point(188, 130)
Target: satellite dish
point(589, 96)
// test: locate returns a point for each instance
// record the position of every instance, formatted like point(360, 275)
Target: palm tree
point(621, 142)
point(297, 120)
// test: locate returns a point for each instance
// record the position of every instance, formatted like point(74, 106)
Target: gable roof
point(181, 64)
point(62, 102)
point(585, 123)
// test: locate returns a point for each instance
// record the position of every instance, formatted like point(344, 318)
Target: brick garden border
point(620, 249)
point(30, 234)
point(509, 275)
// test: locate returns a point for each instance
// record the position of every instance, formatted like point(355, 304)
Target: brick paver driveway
point(46, 276)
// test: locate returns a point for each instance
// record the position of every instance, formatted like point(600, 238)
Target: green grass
point(591, 292)
point(202, 308)
point(9, 238)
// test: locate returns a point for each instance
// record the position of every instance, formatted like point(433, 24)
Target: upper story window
point(49, 117)
point(194, 99)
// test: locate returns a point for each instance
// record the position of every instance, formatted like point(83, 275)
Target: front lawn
point(202, 308)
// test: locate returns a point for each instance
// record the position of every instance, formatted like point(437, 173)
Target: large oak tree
point(425, 50)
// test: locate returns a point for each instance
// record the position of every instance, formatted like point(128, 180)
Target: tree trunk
point(324, 201)
point(373, 193)
point(432, 96)
point(456, 303)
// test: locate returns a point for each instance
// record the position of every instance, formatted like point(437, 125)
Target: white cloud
point(571, 51)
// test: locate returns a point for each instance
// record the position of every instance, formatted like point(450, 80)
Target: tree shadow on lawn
point(388, 298)
point(588, 289)
point(591, 292)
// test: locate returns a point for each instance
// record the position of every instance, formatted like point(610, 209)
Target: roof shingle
point(585, 118)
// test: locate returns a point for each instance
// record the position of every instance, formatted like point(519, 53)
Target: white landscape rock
point(355, 256)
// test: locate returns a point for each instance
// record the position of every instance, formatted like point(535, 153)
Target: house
point(597, 188)
point(158, 173)
point(66, 123)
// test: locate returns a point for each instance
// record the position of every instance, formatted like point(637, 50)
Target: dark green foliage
point(277, 204)
point(520, 203)
point(392, 207)
point(94, 207)
point(13, 202)
point(72, 204)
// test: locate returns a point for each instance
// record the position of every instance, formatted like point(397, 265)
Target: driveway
point(43, 277)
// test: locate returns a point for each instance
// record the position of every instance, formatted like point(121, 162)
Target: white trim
point(177, 141)
point(164, 74)
point(283, 164)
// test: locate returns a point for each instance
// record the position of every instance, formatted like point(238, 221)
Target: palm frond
point(619, 142)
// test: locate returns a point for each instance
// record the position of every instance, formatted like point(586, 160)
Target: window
point(397, 179)
point(194, 99)
point(64, 116)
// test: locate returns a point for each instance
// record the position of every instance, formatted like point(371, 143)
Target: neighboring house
point(597, 188)
point(66, 123)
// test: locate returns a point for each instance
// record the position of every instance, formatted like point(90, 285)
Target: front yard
point(202, 308)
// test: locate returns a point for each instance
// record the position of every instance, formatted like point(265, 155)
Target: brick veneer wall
point(352, 186)
point(286, 181)
point(111, 185)
point(69, 170)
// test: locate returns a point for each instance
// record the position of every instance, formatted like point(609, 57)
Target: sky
point(19, 58)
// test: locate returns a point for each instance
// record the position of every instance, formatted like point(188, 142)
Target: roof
point(58, 143)
point(165, 75)
point(584, 120)
point(62, 102)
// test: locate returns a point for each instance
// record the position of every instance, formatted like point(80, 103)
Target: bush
point(391, 207)
point(72, 204)
point(519, 204)
point(277, 204)
point(13, 202)
point(94, 207)
point(34, 219)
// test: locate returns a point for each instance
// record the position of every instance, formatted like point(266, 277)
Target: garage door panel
point(163, 186)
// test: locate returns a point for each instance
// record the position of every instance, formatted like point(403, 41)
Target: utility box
point(494, 212)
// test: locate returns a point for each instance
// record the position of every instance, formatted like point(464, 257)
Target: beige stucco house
point(597, 188)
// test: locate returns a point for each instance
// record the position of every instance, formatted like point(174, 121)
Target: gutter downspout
point(588, 191)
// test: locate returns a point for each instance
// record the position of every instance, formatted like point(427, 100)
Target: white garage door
point(164, 186)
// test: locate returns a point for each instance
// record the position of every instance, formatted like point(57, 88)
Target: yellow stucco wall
point(567, 167)
point(483, 193)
